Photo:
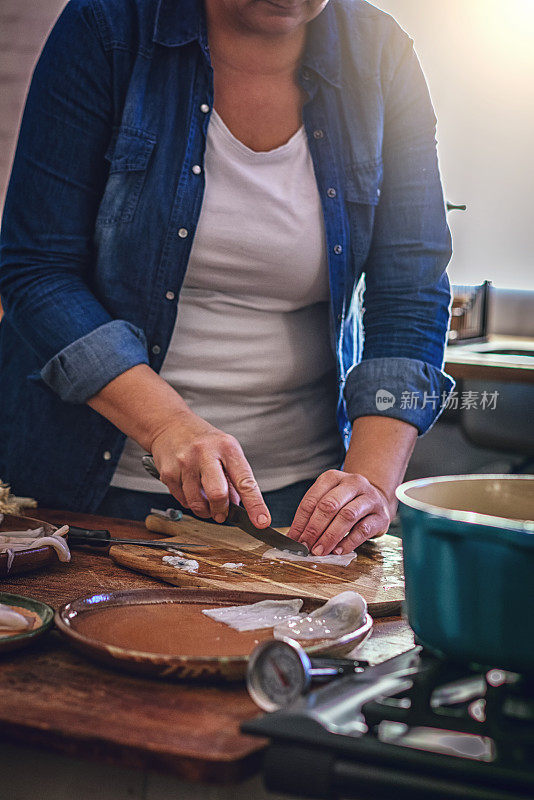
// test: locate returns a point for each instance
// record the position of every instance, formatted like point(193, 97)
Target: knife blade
point(238, 516)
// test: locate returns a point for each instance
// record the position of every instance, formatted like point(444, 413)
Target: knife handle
point(149, 465)
point(85, 539)
point(233, 511)
point(158, 524)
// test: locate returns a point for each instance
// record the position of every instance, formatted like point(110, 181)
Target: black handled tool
point(101, 541)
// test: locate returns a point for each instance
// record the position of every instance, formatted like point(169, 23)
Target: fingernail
point(338, 551)
point(318, 551)
point(219, 517)
point(263, 519)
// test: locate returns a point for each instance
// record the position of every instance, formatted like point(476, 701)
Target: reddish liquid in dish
point(179, 629)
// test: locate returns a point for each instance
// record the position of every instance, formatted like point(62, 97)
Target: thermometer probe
point(279, 671)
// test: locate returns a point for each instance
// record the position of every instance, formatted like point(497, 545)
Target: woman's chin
point(275, 18)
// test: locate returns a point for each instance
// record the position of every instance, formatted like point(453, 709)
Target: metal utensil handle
point(159, 545)
point(341, 666)
point(149, 465)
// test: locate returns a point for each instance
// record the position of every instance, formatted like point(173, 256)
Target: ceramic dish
point(44, 612)
point(162, 632)
point(27, 560)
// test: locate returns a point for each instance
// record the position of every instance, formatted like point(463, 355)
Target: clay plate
point(121, 630)
point(27, 560)
point(44, 619)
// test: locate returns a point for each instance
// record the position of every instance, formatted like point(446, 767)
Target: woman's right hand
point(204, 468)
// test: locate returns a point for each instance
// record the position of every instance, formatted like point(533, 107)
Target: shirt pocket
point(362, 194)
point(363, 183)
point(128, 155)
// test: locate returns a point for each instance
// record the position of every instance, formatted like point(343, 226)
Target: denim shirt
point(105, 196)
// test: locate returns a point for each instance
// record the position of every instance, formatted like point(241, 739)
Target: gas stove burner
point(453, 694)
point(437, 740)
point(415, 726)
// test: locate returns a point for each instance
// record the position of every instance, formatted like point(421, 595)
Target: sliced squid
point(256, 616)
point(12, 542)
point(286, 555)
point(11, 620)
point(341, 615)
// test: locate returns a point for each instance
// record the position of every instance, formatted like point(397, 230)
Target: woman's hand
point(339, 512)
point(343, 509)
point(204, 468)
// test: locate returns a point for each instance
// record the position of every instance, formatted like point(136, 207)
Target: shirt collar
point(323, 54)
point(179, 23)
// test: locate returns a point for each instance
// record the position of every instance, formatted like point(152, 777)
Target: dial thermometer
point(279, 671)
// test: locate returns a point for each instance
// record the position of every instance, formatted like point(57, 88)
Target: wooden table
point(53, 698)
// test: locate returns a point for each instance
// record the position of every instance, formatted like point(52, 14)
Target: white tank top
point(250, 351)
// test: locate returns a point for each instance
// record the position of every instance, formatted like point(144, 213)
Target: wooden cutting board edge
point(129, 558)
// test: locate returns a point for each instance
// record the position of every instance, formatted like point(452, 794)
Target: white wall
point(478, 56)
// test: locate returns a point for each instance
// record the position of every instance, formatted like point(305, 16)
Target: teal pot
point(469, 567)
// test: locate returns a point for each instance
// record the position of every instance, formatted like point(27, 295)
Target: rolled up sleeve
point(407, 291)
point(404, 388)
point(85, 366)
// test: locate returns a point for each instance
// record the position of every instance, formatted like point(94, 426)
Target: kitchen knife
point(101, 541)
point(238, 516)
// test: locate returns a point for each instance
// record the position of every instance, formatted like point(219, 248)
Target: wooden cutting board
point(377, 573)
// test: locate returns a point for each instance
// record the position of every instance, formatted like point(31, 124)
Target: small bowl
point(343, 645)
point(26, 638)
point(27, 560)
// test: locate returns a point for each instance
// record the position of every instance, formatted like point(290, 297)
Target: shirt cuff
point(403, 388)
point(85, 366)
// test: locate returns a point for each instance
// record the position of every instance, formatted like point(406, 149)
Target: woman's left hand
point(339, 512)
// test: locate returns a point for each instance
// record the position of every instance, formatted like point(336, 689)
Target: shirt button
point(338, 249)
point(339, 317)
point(318, 134)
point(204, 108)
point(378, 192)
point(106, 455)
point(156, 349)
point(170, 295)
point(306, 74)
point(196, 170)
point(331, 192)
point(183, 233)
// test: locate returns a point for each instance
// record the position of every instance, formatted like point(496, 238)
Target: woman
point(278, 150)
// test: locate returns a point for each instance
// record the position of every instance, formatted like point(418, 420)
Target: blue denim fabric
point(103, 204)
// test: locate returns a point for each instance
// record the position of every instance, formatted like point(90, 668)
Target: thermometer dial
point(279, 671)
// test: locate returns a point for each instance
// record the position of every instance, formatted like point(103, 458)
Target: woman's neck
point(242, 50)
